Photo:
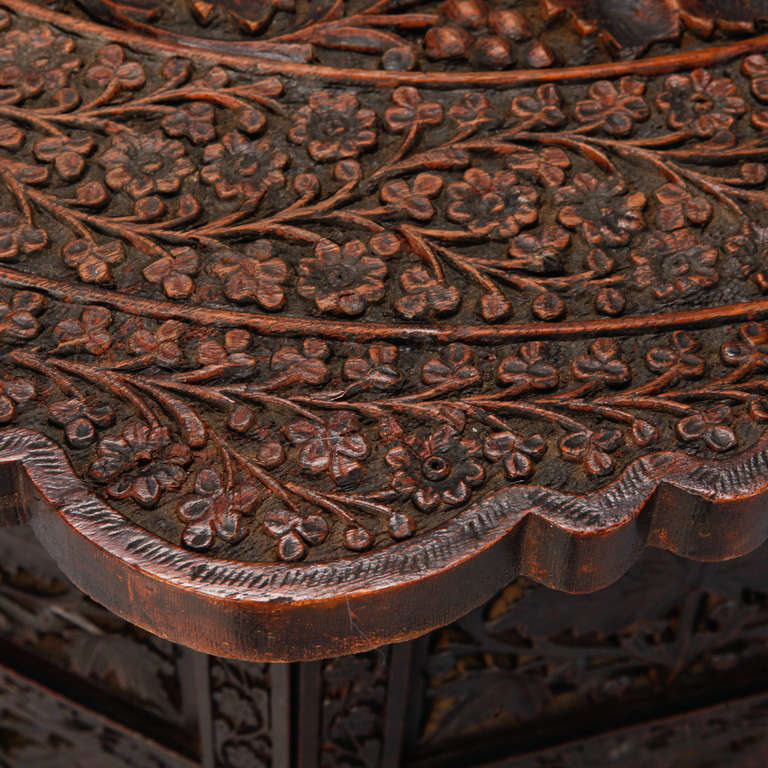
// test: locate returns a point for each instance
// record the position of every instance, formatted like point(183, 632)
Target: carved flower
point(675, 264)
point(592, 449)
point(711, 426)
point(140, 463)
point(18, 238)
point(231, 357)
point(306, 366)
point(334, 445)
point(677, 360)
point(215, 510)
point(492, 205)
point(603, 210)
point(425, 292)
point(333, 126)
point(342, 279)
point(529, 369)
point(409, 111)
point(546, 165)
point(749, 349)
point(90, 332)
point(193, 120)
point(472, 110)
point(700, 103)
point(158, 346)
point(606, 211)
point(615, 109)
point(541, 252)
point(111, 67)
point(174, 272)
point(413, 198)
point(540, 110)
point(453, 368)
point(440, 469)
point(376, 371)
point(294, 531)
point(252, 274)
point(603, 364)
point(66, 154)
point(80, 419)
point(14, 393)
point(677, 206)
point(238, 166)
point(92, 261)
point(517, 452)
point(145, 163)
point(37, 59)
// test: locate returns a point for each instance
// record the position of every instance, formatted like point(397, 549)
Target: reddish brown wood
point(297, 360)
point(670, 662)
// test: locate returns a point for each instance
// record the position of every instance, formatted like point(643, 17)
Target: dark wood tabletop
point(322, 322)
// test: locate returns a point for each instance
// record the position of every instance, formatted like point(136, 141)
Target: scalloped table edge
point(703, 509)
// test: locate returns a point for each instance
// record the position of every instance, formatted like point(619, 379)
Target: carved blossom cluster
point(140, 463)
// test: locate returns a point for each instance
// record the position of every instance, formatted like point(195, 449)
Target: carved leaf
point(357, 39)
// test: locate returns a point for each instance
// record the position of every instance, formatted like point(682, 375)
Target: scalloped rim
point(708, 509)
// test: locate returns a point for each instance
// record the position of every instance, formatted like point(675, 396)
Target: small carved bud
point(347, 170)
point(400, 525)
point(67, 98)
point(92, 194)
point(307, 185)
point(471, 14)
point(492, 52)
point(539, 55)
point(610, 301)
point(495, 307)
point(241, 419)
point(448, 42)
point(357, 539)
point(548, 306)
point(511, 24)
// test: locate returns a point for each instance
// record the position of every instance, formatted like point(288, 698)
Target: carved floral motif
point(303, 318)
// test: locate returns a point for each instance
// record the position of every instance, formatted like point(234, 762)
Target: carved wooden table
point(321, 323)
